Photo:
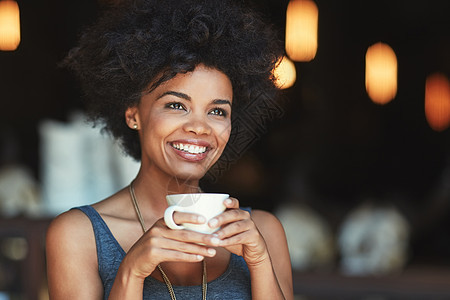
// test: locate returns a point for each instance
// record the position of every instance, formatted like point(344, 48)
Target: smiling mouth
point(188, 148)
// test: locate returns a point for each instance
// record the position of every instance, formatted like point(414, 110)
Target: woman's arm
point(72, 268)
point(158, 244)
point(72, 257)
point(261, 241)
point(276, 269)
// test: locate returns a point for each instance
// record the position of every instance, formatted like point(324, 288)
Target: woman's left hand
point(239, 233)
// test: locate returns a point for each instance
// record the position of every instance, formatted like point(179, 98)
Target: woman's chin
point(189, 171)
point(188, 176)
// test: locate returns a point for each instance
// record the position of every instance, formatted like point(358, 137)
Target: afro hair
point(136, 46)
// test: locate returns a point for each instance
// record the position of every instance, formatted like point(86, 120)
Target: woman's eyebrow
point(176, 94)
point(188, 98)
point(221, 101)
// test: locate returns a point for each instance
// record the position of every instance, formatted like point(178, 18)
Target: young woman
point(165, 78)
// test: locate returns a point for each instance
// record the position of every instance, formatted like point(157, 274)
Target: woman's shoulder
point(262, 216)
point(71, 256)
point(70, 228)
point(70, 244)
point(70, 220)
point(273, 233)
point(267, 223)
point(76, 223)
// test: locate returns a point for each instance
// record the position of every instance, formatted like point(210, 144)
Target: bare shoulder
point(72, 225)
point(72, 257)
point(70, 235)
point(267, 223)
point(273, 233)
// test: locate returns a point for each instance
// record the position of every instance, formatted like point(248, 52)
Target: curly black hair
point(150, 41)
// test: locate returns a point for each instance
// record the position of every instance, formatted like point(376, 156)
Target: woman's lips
point(191, 150)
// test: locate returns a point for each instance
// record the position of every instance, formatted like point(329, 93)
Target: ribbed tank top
point(233, 284)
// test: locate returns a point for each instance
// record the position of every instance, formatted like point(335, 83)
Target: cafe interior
point(353, 157)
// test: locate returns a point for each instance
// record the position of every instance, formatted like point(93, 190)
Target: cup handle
point(168, 217)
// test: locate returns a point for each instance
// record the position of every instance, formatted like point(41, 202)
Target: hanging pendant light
point(301, 30)
point(381, 73)
point(9, 25)
point(437, 101)
point(284, 73)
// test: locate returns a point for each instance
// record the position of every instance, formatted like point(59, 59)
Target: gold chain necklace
point(164, 276)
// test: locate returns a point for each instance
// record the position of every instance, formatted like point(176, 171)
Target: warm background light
point(301, 30)
point(437, 101)
point(9, 25)
point(381, 73)
point(285, 73)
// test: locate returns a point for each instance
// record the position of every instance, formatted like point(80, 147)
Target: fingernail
point(201, 219)
point(200, 257)
point(215, 241)
point(213, 223)
point(228, 201)
point(211, 251)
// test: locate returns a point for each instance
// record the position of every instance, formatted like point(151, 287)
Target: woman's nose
point(198, 125)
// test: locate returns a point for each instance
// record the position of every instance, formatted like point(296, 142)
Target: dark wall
point(32, 85)
point(332, 148)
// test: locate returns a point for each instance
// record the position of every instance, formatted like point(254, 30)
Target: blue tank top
point(233, 284)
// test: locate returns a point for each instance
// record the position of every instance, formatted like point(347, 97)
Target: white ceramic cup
point(207, 205)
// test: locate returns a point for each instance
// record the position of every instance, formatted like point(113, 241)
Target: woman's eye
point(175, 105)
point(219, 112)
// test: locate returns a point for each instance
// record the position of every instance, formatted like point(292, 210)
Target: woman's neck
point(151, 190)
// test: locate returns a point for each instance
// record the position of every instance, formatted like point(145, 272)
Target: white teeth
point(190, 148)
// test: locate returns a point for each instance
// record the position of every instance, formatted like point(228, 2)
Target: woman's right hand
point(162, 244)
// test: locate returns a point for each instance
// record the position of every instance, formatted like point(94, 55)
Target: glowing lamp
point(381, 73)
point(437, 101)
point(9, 25)
point(301, 30)
point(284, 73)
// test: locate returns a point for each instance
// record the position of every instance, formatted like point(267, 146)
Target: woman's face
point(184, 124)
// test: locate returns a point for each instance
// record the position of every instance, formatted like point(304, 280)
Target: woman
point(165, 78)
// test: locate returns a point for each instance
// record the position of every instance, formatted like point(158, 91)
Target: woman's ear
point(132, 118)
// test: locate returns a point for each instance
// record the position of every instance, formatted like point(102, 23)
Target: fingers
point(188, 236)
point(181, 217)
point(173, 250)
point(236, 226)
point(231, 203)
point(185, 241)
point(231, 231)
point(177, 256)
point(161, 244)
point(238, 239)
point(229, 216)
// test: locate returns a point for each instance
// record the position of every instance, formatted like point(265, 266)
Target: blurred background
point(362, 188)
